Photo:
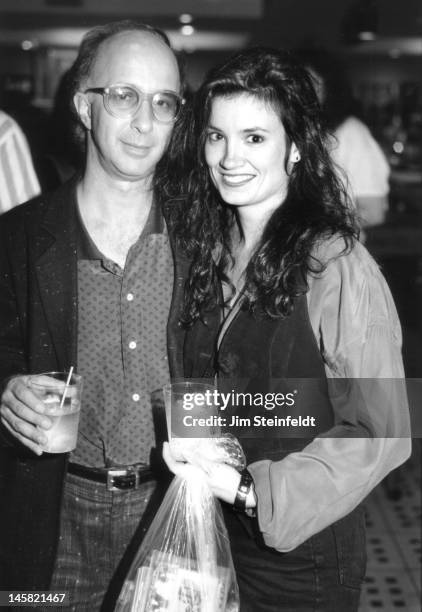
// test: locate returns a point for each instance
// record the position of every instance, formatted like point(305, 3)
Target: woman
point(281, 290)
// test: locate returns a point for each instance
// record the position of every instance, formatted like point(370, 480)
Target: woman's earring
point(295, 157)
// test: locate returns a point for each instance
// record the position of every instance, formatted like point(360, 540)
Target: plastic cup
point(191, 402)
point(62, 406)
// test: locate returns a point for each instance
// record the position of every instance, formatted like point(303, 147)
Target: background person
point(365, 169)
point(280, 289)
point(64, 149)
point(86, 279)
point(18, 181)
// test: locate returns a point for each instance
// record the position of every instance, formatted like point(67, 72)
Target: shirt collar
point(86, 247)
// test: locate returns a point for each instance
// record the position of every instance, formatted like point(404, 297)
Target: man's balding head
point(93, 40)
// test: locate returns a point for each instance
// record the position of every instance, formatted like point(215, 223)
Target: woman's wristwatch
point(245, 486)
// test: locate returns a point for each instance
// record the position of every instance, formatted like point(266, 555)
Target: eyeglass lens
point(126, 100)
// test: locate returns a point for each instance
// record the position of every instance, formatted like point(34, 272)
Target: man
point(86, 280)
point(18, 181)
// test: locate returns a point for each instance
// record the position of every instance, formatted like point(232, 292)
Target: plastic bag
point(184, 563)
point(221, 449)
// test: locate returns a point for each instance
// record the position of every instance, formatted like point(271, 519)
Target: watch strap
point(245, 484)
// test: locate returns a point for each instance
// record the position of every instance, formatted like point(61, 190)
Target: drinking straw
point(66, 386)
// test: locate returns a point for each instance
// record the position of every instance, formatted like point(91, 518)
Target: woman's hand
point(181, 468)
point(222, 479)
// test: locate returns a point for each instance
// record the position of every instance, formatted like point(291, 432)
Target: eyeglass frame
point(105, 92)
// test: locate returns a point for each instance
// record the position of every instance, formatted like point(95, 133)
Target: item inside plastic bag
point(184, 563)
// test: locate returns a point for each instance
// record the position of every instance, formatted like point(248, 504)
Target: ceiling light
point(27, 45)
point(185, 18)
point(366, 36)
point(187, 30)
point(398, 147)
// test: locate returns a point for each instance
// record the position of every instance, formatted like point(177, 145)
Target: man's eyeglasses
point(125, 101)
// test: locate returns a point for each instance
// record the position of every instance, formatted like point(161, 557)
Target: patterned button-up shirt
point(122, 351)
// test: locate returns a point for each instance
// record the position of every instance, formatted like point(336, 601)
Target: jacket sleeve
point(355, 321)
point(12, 350)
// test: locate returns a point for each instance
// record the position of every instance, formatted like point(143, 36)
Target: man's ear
point(83, 108)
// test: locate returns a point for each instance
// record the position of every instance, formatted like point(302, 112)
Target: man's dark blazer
point(38, 333)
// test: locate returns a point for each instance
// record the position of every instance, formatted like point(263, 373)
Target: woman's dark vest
point(262, 355)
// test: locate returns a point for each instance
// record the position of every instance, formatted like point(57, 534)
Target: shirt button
point(129, 297)
point(136, 397)
point(132, 344)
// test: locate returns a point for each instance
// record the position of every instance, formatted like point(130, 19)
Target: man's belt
point(116, 478)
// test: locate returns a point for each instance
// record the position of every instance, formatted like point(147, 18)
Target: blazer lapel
point(55, 259)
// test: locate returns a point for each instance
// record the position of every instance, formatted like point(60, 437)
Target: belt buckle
point(130, 483)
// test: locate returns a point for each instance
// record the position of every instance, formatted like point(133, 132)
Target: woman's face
point(245, 152)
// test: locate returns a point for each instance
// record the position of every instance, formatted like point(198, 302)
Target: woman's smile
point(236, 180)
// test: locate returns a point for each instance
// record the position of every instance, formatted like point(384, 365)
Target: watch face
point(246, 479)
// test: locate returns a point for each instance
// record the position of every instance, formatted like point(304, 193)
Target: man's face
point(128, 148)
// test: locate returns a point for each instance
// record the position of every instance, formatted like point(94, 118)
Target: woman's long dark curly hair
point(316, 206)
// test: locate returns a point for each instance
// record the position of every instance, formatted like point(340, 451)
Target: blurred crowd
point(51, 140)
